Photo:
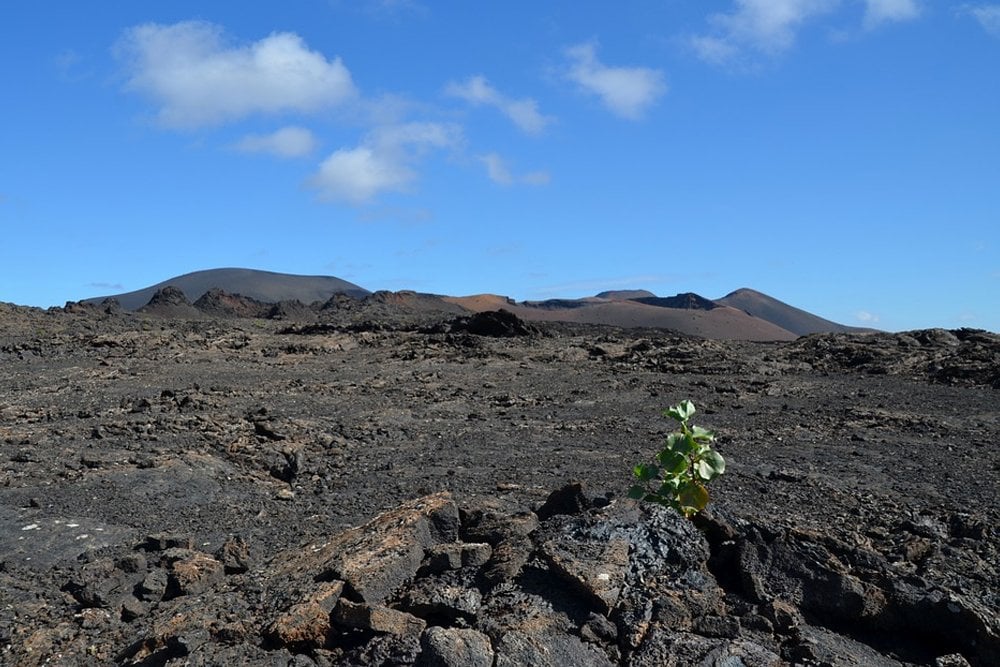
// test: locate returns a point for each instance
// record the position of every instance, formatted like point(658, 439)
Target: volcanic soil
point(183, 491)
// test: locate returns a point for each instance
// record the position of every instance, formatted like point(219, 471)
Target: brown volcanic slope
point(783, 315)
point(260, 285)
point(720, 323)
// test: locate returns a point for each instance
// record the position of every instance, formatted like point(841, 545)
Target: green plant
point(683, 467)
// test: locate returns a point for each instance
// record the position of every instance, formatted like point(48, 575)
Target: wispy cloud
point(762, 26)
point(769, 28)
point(523, 112)
point(866, 317)
point(197, 79)
point(288, 142)
point(383, 162)
point(500, 173)
point(71, 66)
point(627, 92)
point(988, 16)
point(878, 12)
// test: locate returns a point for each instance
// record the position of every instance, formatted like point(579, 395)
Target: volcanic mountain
point(264, 286)
point(780, 313)
point(741, 315)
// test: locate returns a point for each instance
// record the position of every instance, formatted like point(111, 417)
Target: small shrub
point(683, 467)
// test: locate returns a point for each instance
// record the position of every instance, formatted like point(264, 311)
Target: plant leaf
point(676, 441)
point(710, 465)
point(681, 412)
point(637, 492)
point(702, 434)
point(646, 472)
point(685, 409)
point(669, 487)
point(673, 462)
point(693, 496)
point(688, 445)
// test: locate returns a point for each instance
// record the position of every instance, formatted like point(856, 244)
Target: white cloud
point(878, 12)
point(771, 27)
point(287, 142)
point(522, 112)
point(358, 174)
point(715, 50)
point(865, 317)
point(627, 91)
point(382, 163)
point(497, 169)
point(765, 26)
point(988, 17)
point(197, 79)
point(416, 136)
point(500, 173)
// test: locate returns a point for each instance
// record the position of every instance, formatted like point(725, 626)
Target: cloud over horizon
point(628, 92)
point(197, 79)
point(523, 112)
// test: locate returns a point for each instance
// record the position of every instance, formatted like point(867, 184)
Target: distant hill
point(692, 317)
point(621, 294)
point(741, 315)
point(263, 286)
point(783, 315)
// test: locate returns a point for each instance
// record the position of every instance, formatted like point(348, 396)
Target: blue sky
point(840, 155)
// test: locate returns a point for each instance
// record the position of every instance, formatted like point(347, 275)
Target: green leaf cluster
point(682, 468)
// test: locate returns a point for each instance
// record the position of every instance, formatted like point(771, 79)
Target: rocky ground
point(361, 488)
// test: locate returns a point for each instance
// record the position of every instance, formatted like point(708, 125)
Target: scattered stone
point(546, 649)
point(442, 601)
point(164, 541)
point(455, 647)
point(193, 575)
point(379, 557)
point(597, 569)
point(154, 585)
point(569, 499)
point(376, 618)
point(234, 554)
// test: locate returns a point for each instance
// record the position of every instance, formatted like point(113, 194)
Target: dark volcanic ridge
point(742, 315)
point(264, 286)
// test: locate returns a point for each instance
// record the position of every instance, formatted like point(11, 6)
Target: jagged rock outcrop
point(219, 303)
point(595, 583)
point(170, 302)
point(494, 323)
